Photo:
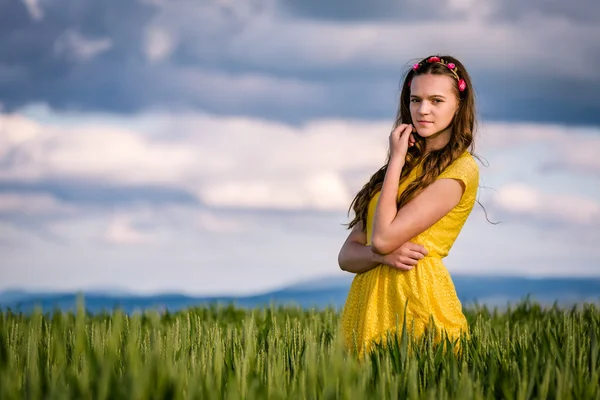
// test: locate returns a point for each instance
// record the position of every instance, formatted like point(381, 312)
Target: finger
point(397, 133)
point(408, 260)
point(419, 248)
point(400, 128)
point(406, 133)
point(403, 267)
point(400, 266)
point(403, 138)
point(415, 255)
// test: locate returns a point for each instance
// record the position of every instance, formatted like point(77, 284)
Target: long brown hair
point(435, 161)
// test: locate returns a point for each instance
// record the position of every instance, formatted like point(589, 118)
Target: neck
point(438, 140)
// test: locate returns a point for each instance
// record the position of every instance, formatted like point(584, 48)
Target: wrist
point(376, 258)
point(397, 160)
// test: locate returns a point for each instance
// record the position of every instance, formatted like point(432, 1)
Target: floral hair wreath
point(462, 85)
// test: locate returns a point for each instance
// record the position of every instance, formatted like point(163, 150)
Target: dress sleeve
point(464, 169)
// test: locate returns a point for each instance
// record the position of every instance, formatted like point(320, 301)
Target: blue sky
point(214, 147)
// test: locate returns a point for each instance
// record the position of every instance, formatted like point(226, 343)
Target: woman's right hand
point(401, 139)
point(404, 257)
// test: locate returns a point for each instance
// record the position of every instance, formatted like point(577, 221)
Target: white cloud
point(324, 191)
point(234, 162)
point(73, 46)
point(121, 231)
point(211, 221)
point(245, 163)
point(159, 43)
point(32, 204)
point(15, 130)
point(34, 9)
point(524, 200)
point(51, 151)
point(578, 153)
point(564, 147)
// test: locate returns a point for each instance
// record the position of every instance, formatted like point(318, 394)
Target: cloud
point(165, 200)
point(121, 231)
point(300, 46)
point(257, 59)
point(249, 163)
point(521, 200)
point(379, 10)
point(31, 204)
point(585, 11)
point(161, 176)
point(35, 151)
point(572, 149)
point(577, 154)
point(74, 47)
point(321, 191)
point(235, 163)
point(159, 44)
point(215, 222)
point(34, 9)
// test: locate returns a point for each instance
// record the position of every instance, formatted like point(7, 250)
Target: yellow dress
point(377, 298)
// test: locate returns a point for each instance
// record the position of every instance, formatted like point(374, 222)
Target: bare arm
point(355, 255)
point(417, 215)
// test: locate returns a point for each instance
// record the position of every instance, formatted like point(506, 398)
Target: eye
point(414, 100)
point(437, 101)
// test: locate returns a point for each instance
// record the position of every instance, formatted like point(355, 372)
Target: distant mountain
point(9, 296)
point(492, 291)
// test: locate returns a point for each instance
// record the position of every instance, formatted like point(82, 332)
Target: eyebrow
point(432, 96)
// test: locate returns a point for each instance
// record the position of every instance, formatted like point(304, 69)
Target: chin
point(426, 132)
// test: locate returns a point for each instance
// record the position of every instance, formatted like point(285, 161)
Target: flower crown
point(462, 85)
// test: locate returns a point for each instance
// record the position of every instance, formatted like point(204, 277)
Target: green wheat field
point(221, 352)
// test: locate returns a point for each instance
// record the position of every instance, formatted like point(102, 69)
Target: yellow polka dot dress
point(377, 299)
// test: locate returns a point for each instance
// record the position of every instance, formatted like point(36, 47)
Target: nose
point(424, 108)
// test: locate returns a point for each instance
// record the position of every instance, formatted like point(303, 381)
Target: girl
point(411, 211)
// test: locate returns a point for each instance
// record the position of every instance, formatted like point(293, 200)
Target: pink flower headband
point(462, 85)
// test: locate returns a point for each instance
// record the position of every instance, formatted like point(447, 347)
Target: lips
point(425, 122)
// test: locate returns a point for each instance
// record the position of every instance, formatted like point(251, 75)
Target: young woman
point(411, 211)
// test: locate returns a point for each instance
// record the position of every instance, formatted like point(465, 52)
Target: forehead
point(429, 85)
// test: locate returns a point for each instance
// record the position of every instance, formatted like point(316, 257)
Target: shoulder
point(464, 168)
point(466, 164)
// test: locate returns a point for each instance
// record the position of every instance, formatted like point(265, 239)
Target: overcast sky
point(215, 146)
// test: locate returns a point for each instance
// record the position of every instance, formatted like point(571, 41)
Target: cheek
point(447, 112)
point(413, 108)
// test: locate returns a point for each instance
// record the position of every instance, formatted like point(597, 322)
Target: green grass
point(525, 352)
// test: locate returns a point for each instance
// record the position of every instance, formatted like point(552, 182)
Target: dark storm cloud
point(100, 195)
point(529, 98)
point(28, 50)
point(119, 78)
point(579, 11)
point(356, 10)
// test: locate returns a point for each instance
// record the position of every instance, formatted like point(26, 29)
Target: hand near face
point(401, 139)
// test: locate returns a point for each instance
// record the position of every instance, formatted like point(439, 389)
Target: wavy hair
point(434, 161)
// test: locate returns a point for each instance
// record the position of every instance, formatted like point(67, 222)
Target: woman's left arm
point(393, 227)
